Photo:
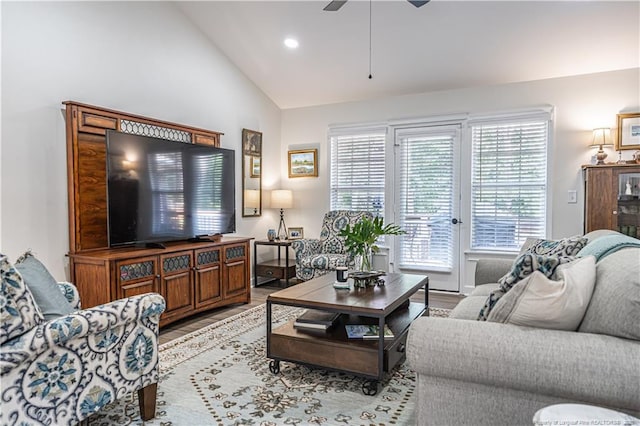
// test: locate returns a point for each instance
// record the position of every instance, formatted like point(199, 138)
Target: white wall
point(144, 58)
point(581, 103)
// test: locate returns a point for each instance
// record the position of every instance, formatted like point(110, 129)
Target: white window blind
point(426, 199)
point(358, 171)
point(509, 183)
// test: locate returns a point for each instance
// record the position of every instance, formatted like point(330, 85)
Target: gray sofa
point(485, 373)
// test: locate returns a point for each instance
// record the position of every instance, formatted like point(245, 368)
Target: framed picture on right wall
point(303, 163)
point(628, 131)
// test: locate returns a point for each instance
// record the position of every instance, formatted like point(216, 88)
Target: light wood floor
point(258, 297)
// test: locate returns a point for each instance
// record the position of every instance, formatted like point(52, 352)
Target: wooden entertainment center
point(191, 276)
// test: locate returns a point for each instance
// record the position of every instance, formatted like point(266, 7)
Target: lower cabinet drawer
point(270, 271)
point(396, 353)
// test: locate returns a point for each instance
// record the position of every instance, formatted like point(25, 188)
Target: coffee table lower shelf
point(332, 349)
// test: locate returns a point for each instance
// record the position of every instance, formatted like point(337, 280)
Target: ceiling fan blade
point(418, 3)
point(335, 5)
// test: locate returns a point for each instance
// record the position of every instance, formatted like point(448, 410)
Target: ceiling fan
point(335, 5)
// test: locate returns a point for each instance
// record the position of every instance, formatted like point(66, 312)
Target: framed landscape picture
point(628, 131)
point(303, 163)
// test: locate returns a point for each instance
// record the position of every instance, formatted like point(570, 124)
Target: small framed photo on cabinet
point(296, 233)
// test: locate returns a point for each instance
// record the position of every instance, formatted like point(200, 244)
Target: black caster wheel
point(274, 366)
point(370, 387)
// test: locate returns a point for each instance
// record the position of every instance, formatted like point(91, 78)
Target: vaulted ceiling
point(441, 46)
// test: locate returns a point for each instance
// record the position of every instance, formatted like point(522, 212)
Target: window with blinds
point(358, 171)
point(426, 201)
point(509, 183)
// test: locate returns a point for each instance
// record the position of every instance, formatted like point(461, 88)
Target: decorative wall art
point(251, 142)
point(303, 163)
point(628, 131)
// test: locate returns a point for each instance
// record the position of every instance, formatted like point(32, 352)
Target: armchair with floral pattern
point(317, 257)
point(59, 372)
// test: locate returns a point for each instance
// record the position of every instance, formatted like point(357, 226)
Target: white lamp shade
point(601, 136)
point(281, 199)
point(252, 198)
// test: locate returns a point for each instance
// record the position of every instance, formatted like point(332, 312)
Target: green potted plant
point(360, 240)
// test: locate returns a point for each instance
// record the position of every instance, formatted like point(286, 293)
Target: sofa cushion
point(43, 286)
point(18, 310)
point(559, 304)
point(522, 267)
point(615, 304)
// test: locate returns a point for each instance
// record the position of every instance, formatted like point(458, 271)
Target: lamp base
point(601, 155)
point(282, 228)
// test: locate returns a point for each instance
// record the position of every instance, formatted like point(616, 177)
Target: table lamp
point(282, 199)
point(601, 137)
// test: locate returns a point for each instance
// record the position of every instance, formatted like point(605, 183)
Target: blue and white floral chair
point(60, 372)
point(317, 257)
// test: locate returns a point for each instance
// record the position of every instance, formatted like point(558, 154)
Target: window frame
point(354, 131)
point(545, 114)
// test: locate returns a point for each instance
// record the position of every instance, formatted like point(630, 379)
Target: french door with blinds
point(427, 202)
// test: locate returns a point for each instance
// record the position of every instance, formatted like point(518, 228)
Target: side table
point(275, 269)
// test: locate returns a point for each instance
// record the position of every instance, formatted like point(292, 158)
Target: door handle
point(455, 221)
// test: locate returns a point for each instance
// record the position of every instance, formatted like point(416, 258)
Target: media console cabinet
point(192, 277)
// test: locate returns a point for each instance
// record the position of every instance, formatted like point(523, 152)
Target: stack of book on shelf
point(367, 332)
point(313, 319)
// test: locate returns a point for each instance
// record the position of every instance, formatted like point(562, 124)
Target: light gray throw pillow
point(43, 286)
point(557, 303)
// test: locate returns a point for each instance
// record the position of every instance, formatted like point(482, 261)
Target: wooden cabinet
point(192, 277)
point(86, 128)
point(612, 198)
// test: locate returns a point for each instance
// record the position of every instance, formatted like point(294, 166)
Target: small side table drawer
point(281, 268)
point(270, 271)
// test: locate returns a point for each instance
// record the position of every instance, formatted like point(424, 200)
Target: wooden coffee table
point(332, 349)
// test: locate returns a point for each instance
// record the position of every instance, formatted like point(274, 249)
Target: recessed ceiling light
point(291, 43)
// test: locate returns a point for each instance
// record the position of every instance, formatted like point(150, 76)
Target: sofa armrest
point(306, 247)
point(586, 367)
point(143, 310)
point(71, 294)
point(491, 270)
point(104, 317)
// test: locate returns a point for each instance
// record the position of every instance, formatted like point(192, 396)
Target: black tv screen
point(161, 190)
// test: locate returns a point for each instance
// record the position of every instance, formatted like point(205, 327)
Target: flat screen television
point(160, 190)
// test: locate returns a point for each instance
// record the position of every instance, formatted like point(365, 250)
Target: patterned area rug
point(220, 375)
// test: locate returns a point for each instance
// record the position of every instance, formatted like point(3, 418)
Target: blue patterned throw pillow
point(523, 266)
point(18, 310)
point(567, 247)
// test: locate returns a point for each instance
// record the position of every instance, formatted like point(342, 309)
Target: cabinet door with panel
point(235, 270)
point(176, 283)
point(137, 276)
point(208, 276)
point(612, 194)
